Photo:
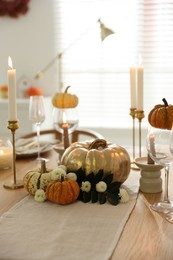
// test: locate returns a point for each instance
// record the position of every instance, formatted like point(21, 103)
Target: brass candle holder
point(133, 115)
point(140, 115)
point(15, 184)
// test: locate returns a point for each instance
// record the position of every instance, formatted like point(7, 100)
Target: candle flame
point(10, 64)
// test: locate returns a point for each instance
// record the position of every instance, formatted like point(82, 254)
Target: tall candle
point(133, 87)
point(140, 88)
point(12, 108)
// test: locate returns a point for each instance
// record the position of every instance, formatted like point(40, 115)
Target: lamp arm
point(104, 33)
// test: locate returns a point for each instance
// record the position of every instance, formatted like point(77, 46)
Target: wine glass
point(65, 115)
point(37, 116)
point(169, 215)
point(158, 147)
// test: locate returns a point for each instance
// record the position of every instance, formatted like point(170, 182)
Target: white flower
point(124, 195)
point(63, 167)
point(40, 195)
point(57, 173)
point(86, 186)
point(72, 176)
point(101, 186)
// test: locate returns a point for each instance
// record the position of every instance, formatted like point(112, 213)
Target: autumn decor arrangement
point(13, 8)
point(66, 184)
point(161, 116)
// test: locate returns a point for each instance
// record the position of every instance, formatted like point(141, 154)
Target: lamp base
point(13, 186)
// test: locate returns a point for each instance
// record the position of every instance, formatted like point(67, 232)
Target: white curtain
point(98, 72)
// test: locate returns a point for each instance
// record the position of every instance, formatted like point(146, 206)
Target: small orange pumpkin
point(65, 100)
point(161, 116)
point(63, 192)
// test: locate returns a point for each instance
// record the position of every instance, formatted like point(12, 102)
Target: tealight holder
point(15, 184)
point(150, 181)
point(6, 154)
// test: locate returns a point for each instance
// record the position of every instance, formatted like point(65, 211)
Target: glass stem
point(166, 196)
point(38, 139)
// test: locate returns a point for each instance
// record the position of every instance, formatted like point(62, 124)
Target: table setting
point(77, 200)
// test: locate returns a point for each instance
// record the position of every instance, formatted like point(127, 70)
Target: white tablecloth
point(79, 231)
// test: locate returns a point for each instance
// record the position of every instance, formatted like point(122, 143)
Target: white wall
point(29, 40)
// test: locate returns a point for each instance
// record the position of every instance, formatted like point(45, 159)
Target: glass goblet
point(65, 115)
point(158, 147)
point(37, 116)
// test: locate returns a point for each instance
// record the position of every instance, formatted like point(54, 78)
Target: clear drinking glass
point(37, 116)
point(158, 147)
point(70, 116)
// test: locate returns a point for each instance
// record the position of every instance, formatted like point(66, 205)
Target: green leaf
point(86, 196)
point(108, 178)
point(102, 197)
point(98, 176)
point(94, 196)
point(113, 199)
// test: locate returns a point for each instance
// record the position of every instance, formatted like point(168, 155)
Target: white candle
point(12, 108)
point(140, 88)
point(6, 156)
point(152, 145)
point(133, 87)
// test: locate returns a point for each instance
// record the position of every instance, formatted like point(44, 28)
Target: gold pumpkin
point(38, 178)
point(98, 155)
point(161, 116)
point(65, 100)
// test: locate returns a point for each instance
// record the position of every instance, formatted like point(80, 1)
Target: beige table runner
point(79, 231)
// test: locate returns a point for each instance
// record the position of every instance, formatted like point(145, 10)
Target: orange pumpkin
point(63, 192)
point(33, 91)
point(161, 116)
point(65, 100)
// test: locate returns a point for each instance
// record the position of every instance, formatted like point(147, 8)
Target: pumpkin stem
point(62, 178)
point(67, 89)
point(165, 102)
point(43, 166)
point(98, 144)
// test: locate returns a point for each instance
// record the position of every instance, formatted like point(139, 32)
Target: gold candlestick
point(13, 126)
point(133, 113)
point(140, 115)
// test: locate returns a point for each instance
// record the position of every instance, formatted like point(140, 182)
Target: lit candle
point(152, 144)
point(12, 109)
point(133, 87)
point(140, 87)
point(6, 155)
point(65, 131)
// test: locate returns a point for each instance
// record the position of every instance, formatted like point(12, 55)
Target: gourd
point(161, 116)
point(65, 100)
point(37, 179)
point(63, 191)
point(98, 155)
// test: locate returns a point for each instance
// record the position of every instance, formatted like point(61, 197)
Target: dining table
point(146, 234)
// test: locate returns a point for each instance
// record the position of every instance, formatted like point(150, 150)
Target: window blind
point(98, 72)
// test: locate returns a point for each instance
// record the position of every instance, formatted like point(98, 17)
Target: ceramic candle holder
point(6, 154)
point(150, 181)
